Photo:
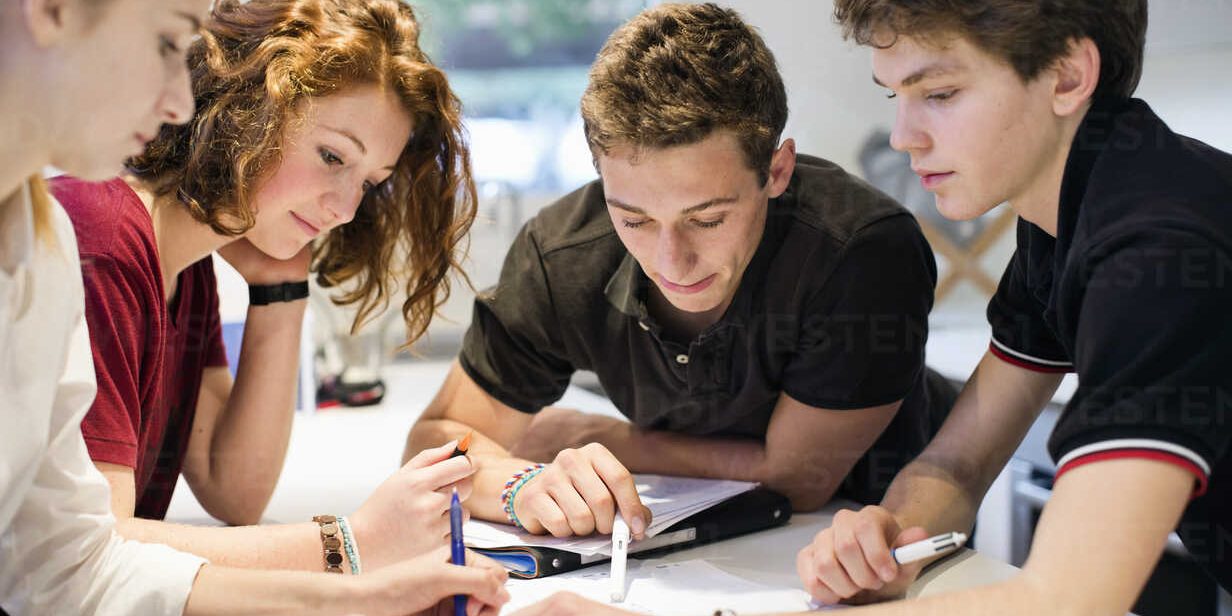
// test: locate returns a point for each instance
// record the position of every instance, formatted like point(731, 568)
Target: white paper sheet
point(670, 500)
point(665, 589)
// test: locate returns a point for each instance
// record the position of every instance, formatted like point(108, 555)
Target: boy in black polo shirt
point(756, 315)
point(1123, 274)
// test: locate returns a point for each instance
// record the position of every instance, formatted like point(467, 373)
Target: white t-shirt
point(59, 553)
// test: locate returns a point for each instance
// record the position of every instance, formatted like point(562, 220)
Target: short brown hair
point(1030, 35)
point(254, 64)
point(675, 74)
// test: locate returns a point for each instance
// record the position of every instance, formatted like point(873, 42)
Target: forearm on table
point(1018, 596)
point(220, 591)
point(943, 487)
point(250, 439)
point(932, 496)
point(808, 480)
point(274, 546)
point(666, 453)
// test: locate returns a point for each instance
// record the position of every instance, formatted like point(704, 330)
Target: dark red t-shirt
point(149, 354)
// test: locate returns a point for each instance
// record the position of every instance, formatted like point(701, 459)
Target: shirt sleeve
point(1154, 349)
point(60, 555)
point(1020, 335)
point(863, 332)
point(513, 349)
point(116, 313)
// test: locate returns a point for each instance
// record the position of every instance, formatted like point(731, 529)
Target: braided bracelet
point(512, 486)
point(348, 544)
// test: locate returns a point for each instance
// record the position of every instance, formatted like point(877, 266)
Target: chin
point(692, 303)
point(93, 170)
point(278, 251)
point(957, 209)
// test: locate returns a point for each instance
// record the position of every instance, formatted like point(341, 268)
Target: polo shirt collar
point(1093, 136)
point(1046, 254)
point(625, 290)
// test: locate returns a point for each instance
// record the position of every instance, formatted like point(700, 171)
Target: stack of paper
point(670, 500)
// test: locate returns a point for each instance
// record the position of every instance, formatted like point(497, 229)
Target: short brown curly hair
point(254, 64)
point(1030, 35)
point(675, 74)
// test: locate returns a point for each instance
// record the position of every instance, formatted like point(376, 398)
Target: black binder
point(744, 513)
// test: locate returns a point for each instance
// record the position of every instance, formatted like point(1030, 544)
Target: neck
point(22, 153)
point(1040, 203)
point(679, 324)
point(181, 240)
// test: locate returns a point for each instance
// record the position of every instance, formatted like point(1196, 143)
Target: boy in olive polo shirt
point(757, 315)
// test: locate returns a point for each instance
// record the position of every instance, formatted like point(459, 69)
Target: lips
point(687, 289)
point(932, 179)
point(310, 229)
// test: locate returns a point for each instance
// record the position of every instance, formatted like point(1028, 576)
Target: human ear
point(1077, 75)
point(782, 165)
point(47, 20)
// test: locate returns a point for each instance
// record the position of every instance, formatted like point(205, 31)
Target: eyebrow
point(932, 70)
point(692, 209)
point(349, 135)
point(359, 144)
point(196, 23)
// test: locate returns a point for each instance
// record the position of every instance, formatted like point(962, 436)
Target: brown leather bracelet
point(330, 543)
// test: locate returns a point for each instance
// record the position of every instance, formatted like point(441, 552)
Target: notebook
point(685, 512)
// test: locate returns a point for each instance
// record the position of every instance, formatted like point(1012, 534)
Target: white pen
point(620, 556)
point(929, 547)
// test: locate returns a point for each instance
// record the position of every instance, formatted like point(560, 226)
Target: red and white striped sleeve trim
point(1023, 360)
point(1148, 449)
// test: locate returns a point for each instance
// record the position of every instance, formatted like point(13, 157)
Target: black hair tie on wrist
point(262, 294)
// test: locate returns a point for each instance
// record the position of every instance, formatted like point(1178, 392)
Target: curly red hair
point(255, 62)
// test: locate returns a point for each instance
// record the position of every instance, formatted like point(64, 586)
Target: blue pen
point(458, 557)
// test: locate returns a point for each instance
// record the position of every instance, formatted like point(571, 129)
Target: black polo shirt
point(1135, 295)
point(832, 310)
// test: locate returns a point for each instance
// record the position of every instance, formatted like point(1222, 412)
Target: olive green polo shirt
point(832, 310)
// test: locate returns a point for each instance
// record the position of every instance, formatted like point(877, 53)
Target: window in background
point(520, 67)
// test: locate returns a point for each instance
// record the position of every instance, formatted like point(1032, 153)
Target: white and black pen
point(620, 554)
point(932, 546)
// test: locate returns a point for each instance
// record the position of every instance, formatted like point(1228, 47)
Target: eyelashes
point(704, 224)
point(167, 46)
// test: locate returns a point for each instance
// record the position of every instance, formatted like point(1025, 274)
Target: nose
point(674, 255)
point(176, 104)
point(908, 134)
point(340, 205)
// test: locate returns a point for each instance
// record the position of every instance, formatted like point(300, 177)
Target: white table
point(366, 446)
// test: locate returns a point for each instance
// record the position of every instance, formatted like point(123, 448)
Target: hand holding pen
point(856, 556)
point(407, 514)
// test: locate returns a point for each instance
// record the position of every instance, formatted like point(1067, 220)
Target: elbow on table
point(241, 510)
point(805, 501)
point(806, 492)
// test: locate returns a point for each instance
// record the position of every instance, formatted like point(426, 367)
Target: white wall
point(833, 101)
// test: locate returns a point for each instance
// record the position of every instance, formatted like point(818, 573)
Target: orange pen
point(462, 446)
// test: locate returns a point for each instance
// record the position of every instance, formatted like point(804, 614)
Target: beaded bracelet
point(512, 486)
point(348, 544)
